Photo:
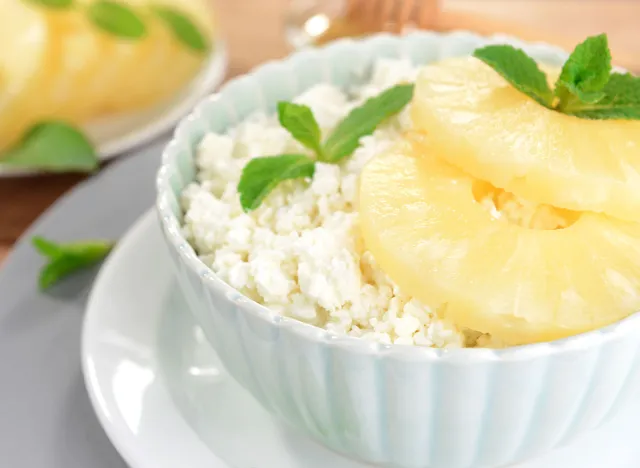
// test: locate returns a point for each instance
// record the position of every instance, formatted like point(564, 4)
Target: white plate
point(118, 134)
point(163, 397)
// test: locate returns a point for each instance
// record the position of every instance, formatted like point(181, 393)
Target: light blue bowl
point(392, 405)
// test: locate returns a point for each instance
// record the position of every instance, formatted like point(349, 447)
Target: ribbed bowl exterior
point(392, 405)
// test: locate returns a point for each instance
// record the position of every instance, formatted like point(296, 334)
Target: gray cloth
point(46, 420)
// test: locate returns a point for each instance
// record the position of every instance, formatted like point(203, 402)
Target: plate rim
point(188, 442)
point(190, 445)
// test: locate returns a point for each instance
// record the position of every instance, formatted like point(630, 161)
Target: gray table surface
point(46, 420)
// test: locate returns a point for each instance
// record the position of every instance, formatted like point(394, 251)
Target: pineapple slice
point(56, 64)
point(422, 222)
point(24, 62)
point(481, 124)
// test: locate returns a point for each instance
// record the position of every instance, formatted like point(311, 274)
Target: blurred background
point(184, 42)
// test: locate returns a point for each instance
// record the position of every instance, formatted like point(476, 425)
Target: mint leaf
point(53, 147)
point(261, 175)
point(55, 4)
point(300, 122)
point(46, 247)
point(183, 29)
point(364, 119)
point(621, 100)
point(65, 259)
point(584, 74)
point(518, 69)
point(117, 19)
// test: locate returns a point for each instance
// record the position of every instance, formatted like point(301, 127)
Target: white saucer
point(118, 134)
point(163, 397)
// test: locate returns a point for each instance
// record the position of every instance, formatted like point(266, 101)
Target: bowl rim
point(187, 255)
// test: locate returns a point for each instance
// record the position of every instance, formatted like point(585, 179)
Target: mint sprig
point(584, 74)
point(65, 259)
point(52, 147)
point(518, 69)
point(117, 19)
point(363, 120)
point(621, 100)
point(183, 29)
point(586, 88)
point(124, 21)
point(261, 175)
point(301, 124)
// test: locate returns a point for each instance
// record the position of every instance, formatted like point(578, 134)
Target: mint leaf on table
point(301, 124)
point(261, 175)
point(520, 70)
point(54, 147)
point(183, 29)
point(621, 100)
point(364, 119)
point(65, 259)
point(117, 19)
point(55, 4)
point(584, 74)
point(46, 247)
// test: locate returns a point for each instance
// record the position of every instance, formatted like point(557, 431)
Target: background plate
point(46, 420)
point(118, 134)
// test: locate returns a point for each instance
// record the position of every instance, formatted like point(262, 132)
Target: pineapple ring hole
point(512, 209)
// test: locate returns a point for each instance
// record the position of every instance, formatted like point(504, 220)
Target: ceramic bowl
point(392, 405)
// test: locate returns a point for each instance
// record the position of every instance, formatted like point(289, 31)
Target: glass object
point(308, 21)
point(314, 22)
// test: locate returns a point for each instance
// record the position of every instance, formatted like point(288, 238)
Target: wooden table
point(254, 32)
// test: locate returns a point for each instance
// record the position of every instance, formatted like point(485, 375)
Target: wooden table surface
point(254, 32)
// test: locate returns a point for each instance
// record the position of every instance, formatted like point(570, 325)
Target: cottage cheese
point(300, 253)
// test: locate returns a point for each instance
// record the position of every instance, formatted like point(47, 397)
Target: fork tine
point(427, 13)
point(405, 9)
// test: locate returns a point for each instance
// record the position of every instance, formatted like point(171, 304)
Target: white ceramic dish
point(393, 405)
point(163, 397)
point(115, 135)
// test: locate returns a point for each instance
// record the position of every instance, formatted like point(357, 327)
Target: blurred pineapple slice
point(481, 124)
point(430, 229)
point(25, 60)
point(56, 63)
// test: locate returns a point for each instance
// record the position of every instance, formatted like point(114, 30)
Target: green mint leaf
point(183, 29)
point(518, 69)
point(54, 4)
point(364, 119)
point(65, 259)
point(621, 100)
point(117, 19)
point(302, 125)
point(261, 175)
point(52, 147)
point(584, 74)
point(46, 247)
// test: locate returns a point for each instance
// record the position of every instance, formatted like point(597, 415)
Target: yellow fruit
point(422, 222)
point(24, 62)
point(56, 64)
point(481, 124)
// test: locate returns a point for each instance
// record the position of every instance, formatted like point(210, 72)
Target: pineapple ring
point(24, 62)
point(57, 64)
point(421, 222)
point(478, 122)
